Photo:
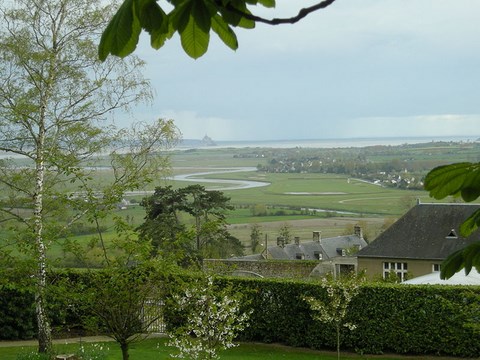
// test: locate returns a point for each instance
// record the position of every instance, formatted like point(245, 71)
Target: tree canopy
point(169, 212)
point(193, 20)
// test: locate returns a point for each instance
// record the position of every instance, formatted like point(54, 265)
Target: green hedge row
point(17, 313)
point(389, 318)
point(402, 319)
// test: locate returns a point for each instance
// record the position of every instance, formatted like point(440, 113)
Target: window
point(400, 269)
point(318, 255)
point(300, 256)
point(452, 234)
point(436, 267)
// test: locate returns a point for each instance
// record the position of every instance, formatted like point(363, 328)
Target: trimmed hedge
point(441, 320)
point(17, 313)
point(389, 318)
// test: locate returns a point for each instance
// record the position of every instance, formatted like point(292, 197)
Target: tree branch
point(277, 21)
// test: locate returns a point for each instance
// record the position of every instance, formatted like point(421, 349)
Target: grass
point(154, 349)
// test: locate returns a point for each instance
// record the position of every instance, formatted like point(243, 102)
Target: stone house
point(418, 242)
point(315, 257)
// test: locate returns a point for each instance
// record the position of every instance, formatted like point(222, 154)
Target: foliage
point(168, 213)
point(255, 235)
point(389, 317)
point(213, 317)
point(118, 298)
point(193, 20)
point(55, 102)
point(459, 179)
point(285, 232)
point(397, 318)
point(334, 308)
point(16, 312)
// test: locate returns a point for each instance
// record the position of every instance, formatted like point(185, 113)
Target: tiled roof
point(427, 231)
point(327, 247)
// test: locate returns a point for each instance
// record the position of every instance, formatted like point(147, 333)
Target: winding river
point(232, 184)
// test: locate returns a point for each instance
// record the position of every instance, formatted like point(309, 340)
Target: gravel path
point(25, 343)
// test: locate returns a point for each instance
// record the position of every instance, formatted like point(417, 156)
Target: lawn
point(154, 349)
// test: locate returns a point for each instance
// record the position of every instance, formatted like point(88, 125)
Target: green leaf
point(121, 36)
point(235, 19)
point(463, 178)
point(154, 20)
point(467, 258)
point(224, 32)
point(267, 3)
point(452, 264)
point(180, 16)
point(471, 224)
point(195, 36)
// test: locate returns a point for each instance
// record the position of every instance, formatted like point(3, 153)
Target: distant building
point(207, 141)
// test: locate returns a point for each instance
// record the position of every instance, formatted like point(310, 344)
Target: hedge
point(404, 319)
point(17, 313)
point(390, 318)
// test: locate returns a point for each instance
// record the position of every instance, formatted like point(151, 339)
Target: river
point(233, 184)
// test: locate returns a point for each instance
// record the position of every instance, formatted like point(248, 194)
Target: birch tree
point(56, 106)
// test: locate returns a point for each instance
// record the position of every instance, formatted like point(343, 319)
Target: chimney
point(317, 236)
point(297, 240)
point(357, 230)
point(281, 241)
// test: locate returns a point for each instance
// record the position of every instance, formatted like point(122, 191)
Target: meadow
point(306, 202)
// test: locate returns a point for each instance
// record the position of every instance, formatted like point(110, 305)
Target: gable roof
point(427, 231)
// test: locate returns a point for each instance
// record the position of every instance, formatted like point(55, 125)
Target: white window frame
point(399, 268)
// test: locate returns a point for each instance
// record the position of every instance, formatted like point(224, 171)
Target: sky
point(369, 68)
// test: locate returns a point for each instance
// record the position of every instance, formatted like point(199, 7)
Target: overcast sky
point(369, 68)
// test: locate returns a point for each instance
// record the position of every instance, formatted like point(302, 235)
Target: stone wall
point(264, 268)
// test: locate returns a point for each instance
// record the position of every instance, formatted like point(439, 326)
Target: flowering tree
point(213, 319)
point(334, 309)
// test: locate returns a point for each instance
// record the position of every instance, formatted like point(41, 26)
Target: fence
point(152, 316)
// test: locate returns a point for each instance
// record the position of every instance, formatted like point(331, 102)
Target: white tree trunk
point(44, 330)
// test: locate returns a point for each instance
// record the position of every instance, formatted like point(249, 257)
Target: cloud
point(356, 69)
point(411, 126)
point(195, 126)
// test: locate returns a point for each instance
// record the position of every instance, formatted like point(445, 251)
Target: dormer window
point(452, 234)
point(318, 255)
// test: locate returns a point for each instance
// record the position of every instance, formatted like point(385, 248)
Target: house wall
point(374, 267)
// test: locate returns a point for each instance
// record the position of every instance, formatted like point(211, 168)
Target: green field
point(307, 202)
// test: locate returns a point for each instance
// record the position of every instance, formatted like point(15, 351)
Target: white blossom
point(214, 318)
